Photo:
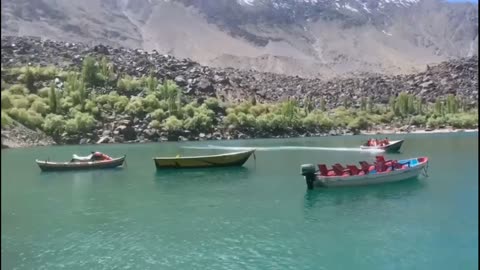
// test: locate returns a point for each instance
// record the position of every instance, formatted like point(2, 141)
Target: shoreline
point(16, 145)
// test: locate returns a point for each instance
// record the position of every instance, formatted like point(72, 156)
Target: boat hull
point(394, 146)
point(371, 179)
point(223, 160)
point(73, 166)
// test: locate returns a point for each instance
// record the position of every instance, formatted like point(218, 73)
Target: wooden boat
point(222, 160)
point(393, 146)
point(80, 165)
point(408, 169)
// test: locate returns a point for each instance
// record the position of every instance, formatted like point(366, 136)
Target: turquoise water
point(260, 216)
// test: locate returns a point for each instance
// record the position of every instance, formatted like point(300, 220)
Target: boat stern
point(308, 171)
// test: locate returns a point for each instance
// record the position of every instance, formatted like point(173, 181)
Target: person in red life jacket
point(100, 156)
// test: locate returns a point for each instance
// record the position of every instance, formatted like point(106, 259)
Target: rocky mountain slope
point(458, 77)
point(314, 38)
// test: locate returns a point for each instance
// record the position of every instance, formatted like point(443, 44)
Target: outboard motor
point(308, 171)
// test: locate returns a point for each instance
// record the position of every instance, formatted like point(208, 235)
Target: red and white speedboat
point(391, 146)
point(382, 171)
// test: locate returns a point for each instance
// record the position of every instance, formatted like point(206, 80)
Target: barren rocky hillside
point(306, 38)
point(459, 77)
point(126, 97)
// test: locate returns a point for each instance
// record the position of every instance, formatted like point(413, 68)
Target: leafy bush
point(231, 119)
point(242, 107)
point(359, 123)
point(91, 106)
point(7, 121)
point(32, 98)
point(199, 122)
point(151, 84)
point(54, 124)
point(317, 120)
point(342, 117)
point(7, 101)
point(158, 115)
point(129, 85)
point(89, 71)
point(106, 73)
point(28, 118)
point(28, 79)
point(18, 89)
point(80, 123)
point(155, 124)
point(263, 122)
point(246, 120)
point(40, 107)
point(258, 109)
point(435, 122)
point(418, 120)
point(462, 120)
point(172, 124)
point(150, 103)
point(189, 109)
point(44, 92)
point(135, 107)
point(20, 102)
point(75, 87)
point(120, 104)
point(212, 104)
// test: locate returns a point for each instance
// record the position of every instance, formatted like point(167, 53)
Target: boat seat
point(366, 167)
point(324, 171)
point(355, 171)
point(340, 171)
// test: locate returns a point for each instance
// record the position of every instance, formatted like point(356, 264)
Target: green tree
point(29, 79)
point(363, 104)
point(323, 106)
point(370, 105)
point(52, 97)
point(451, 104)
point(438, 107)
point(89, 71)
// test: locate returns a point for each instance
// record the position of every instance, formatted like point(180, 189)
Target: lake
point(260, 216)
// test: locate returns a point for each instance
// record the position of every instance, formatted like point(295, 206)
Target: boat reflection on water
point(328, 197)
point(224, 176)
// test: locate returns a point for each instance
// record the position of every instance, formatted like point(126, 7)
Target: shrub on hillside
point(199, 122)
point(172, 124)
point(155, 124)
point(54, 124)
point(80, 123)
point(7, 121)
point(150, 103)
point(28, 118)
point(129, 85)
point(7, 101)
point(39, 106)
point(20, 102)
point(158, 115)
point(18, 89)
point(418, 120)
point(135, 107)
point(44, 92)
